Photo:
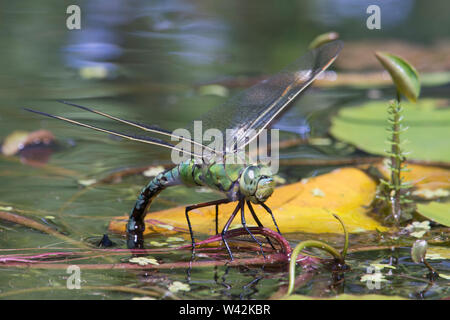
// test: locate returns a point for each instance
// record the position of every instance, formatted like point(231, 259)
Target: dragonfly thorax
point(256, 183)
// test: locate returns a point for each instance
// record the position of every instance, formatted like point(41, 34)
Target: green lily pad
point(427, 135)
point(436, 211)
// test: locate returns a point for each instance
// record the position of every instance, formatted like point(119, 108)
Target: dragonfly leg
point(227, 225)
point(244, 224)
point(258, 222)
point(271, 214)
point(202, 205)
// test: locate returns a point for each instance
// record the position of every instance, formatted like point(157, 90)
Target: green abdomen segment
point(219, 176)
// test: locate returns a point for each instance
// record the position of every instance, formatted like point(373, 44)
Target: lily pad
point(346, 192)
point(436, 211)
point(18, 140)
point(427, 134)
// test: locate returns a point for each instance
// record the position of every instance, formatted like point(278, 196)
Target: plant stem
point(344, 250)
point(396, 160)
point(311, 244)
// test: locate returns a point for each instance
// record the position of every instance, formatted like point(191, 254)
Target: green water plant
point(322, 39)
point(339, 257)
point(418, 254)
point(396, 192)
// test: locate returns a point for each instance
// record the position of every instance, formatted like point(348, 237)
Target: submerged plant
point(395, 192)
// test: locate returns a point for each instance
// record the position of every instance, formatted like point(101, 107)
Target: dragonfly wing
point(245, 115)
point(145, 127)
point(137, 138)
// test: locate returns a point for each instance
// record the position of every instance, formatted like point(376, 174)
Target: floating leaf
point(179, 286)
point(87, 182)
point(431, 194)
point(14, 142)
point(348, 193)
point(438, 253)
point(381, 266)
point(444, 276)
point(17, 140)
point(405, 77)
point(436, 211)
point(427, 135)
point(157, 244)
point(418, 234)
point(174, 239)
point(94, 72)
point(373, 277)
point(144, 261)
point(428, 181)
point(322, 39)
point(418, 229)
point(213, 89)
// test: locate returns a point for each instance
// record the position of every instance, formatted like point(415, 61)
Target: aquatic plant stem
point(11, 217)
point(396, 160)
point(7, 216)
point(308, 244)
point(316, 244)
point(344, 250)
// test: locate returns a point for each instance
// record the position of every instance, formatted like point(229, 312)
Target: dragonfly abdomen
point(136, 225)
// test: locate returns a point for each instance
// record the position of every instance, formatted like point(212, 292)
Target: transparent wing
point(145, 127)
point(245, 115)
point(142, 139)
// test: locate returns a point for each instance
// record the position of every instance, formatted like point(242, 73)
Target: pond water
point(148, 61)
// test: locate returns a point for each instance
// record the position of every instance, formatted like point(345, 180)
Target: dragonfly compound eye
point(249, 181)
point(264, 189)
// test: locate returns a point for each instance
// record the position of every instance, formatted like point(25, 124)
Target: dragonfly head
point(256, 183)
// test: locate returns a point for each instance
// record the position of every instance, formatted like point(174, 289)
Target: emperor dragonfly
point(246, 115)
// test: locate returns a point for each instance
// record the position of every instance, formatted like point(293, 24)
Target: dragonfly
point(244, 116)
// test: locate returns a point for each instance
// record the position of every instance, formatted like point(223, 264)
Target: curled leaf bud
point(405, 77)
point(322, 39)
point(419, 250)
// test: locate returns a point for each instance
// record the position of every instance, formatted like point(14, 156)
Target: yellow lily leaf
point(424, 178)
point(296, 207)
